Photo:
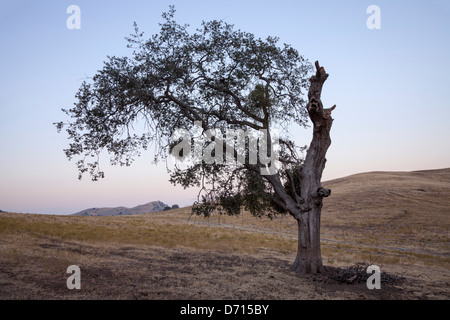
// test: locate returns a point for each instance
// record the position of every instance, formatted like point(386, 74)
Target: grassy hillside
point(399, 212)
point(398, 220)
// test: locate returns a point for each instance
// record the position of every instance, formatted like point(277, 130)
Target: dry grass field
point(396, 220)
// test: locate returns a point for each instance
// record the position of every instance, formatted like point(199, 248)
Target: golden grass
point(136, 230)
point(374, 217)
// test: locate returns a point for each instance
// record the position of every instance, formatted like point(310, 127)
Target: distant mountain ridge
point(154, 206)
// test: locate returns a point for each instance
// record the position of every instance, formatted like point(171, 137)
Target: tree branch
point(314, 164)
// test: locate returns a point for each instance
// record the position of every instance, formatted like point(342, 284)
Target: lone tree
point(223, 79)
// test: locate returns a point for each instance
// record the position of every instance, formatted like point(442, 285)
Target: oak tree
point(222, 79)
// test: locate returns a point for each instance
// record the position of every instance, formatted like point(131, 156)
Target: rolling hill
point(150, 207)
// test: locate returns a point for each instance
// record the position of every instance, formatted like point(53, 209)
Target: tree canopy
point(218, 76)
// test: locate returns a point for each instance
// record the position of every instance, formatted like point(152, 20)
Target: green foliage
point(260, 101)
point(225, 78)
point(257, 200)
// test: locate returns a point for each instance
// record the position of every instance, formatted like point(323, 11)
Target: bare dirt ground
point(181, 273)
point(379, 218)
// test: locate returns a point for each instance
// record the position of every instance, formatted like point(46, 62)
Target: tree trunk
point(309, 258)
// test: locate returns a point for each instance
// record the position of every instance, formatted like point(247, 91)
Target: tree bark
point(309, 258)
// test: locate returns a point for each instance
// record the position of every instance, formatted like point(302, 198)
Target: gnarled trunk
point(309, 258)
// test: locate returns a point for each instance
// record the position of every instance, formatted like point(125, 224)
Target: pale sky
point(390, 86)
